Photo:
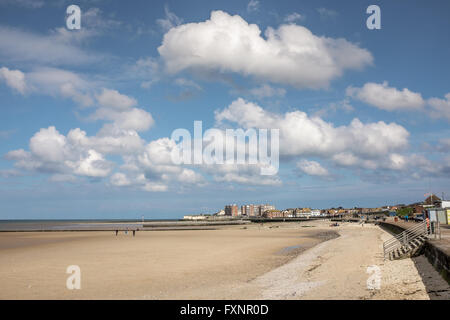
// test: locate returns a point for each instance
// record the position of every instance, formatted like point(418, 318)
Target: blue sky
point(87, 114)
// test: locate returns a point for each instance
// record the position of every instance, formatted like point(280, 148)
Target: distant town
point(415, 210)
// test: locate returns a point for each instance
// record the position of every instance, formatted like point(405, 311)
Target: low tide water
point(70, 225)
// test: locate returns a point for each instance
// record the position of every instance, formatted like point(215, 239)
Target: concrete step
point(412, 247)
point(400, 252)
point(412, 244)
point(415, 243)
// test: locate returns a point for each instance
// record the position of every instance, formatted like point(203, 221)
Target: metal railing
point(404, 238)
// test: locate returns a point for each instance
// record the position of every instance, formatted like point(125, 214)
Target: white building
point(195, 217)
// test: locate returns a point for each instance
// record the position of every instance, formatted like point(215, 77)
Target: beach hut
point(438, 214)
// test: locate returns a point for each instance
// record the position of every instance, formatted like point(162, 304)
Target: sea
point(76, 225)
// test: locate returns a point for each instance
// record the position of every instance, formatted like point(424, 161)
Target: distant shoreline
point(108, 225)
point(122, 225)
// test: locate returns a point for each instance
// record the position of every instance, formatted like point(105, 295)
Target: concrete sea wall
point(436, 251)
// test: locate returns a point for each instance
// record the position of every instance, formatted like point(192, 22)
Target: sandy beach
point(271, 261)
point(338, 269)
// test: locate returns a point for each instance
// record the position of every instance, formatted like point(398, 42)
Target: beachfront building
point(231, 210)
point(323, 213)
point(265, 207)
point(273, 214)
point(220, 213)
point(248, 210)
point(259, 210)
point(433, 200)
point(332, 212)
point(289, 213)
point(303, 212)
point(196, 217)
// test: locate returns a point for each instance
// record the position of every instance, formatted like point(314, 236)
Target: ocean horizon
point(71, 224)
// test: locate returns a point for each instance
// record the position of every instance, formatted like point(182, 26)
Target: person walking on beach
point(134, 233)
point(117, 231)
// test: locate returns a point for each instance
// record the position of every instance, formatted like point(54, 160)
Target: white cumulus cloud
point(302, 135)
point(14, 79)
point(17, 45)
point(293, 17)
point(253, 6)
point(266, 91)
point(113, 99)
point(387, 98)
point(440, 107)
point(119, 179)
point(51, 152)
point(312, 168)
point(290, 55)
point(170, 20)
